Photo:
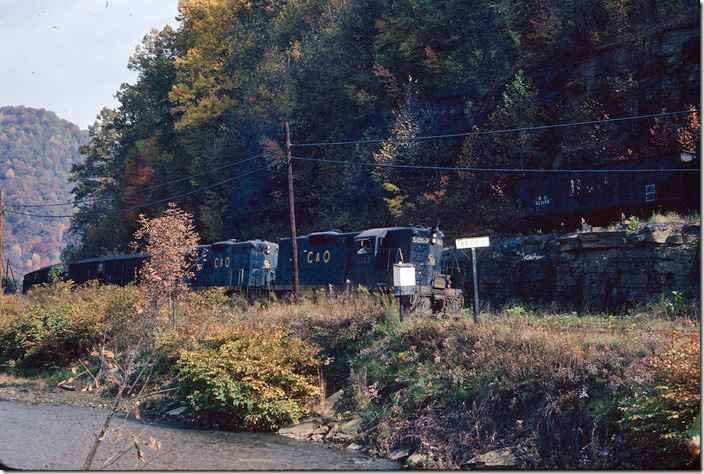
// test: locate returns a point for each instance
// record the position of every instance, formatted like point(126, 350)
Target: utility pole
point(292, 213)
point(2, 212)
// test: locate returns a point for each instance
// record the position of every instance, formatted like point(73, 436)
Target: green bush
point(248, 377)
point(673, 304)
point(634, 224)
point(57, 325)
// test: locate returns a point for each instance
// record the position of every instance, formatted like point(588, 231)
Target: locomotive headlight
point(435, 238)
point(268, 249)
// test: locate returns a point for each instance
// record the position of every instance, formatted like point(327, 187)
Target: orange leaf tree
point(170, 241)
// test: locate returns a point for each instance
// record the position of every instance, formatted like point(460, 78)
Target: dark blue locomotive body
point(348, 260)
point(322, 260)
point(377, 250)
point(236, 265)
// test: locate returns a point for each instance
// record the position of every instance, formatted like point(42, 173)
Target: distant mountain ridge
point(37, 150)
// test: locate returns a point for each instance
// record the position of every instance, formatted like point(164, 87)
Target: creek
point(58, 437)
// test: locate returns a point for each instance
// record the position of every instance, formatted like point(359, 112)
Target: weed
point(633, 225)
point(248, 378)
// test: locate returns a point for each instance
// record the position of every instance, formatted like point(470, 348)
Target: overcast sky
point(70, 56)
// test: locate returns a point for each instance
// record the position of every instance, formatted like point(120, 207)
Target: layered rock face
point(587, 271)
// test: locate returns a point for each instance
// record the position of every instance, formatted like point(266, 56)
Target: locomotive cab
point(377, 250)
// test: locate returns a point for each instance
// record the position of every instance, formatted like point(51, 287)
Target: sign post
point(404, 283)
point(473, 243)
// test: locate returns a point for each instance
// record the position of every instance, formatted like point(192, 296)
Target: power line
point(489, 170)
point(17, 269)
point(172, 198)
point(134, 191)
point(493, 132)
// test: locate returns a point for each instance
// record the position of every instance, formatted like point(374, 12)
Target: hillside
point(218, 89)
point(37, 150)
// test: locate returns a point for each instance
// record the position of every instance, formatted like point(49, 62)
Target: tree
point(170, 241)
point(518, 108)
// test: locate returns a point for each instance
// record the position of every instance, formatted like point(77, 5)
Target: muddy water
point(59, 437)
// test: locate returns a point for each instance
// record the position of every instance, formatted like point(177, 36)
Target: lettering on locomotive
point(310, 258)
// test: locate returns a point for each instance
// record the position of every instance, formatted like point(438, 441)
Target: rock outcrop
point(598, 270)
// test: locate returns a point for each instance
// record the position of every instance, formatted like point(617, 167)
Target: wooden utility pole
point(2, 209)
point(292, 213)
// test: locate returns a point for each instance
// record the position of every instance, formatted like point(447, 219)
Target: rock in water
point(176, 411)
point(400, 454)
point(504, 458)
point(301, 431)
point(349, 430)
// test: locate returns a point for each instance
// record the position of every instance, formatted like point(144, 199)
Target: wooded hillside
point(218, 89)
point(37, 150)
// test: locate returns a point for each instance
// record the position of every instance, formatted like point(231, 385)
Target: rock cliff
point(600, 270)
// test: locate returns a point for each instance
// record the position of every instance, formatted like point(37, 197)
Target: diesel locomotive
point(326, 260)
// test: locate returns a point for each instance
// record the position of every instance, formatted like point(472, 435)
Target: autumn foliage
point(248, 377)
point(170, 240)
point(659, 415)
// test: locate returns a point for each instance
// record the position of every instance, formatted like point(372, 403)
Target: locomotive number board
point(472, 242)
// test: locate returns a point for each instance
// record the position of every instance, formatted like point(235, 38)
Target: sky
point(70, 56)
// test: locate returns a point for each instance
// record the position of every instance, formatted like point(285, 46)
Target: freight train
point(326, 260)
point(554, 199)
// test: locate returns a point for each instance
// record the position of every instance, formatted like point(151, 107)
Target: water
point(59, 437)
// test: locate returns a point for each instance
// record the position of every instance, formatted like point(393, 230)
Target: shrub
point(673, 217)
point(673, 304)
point(659, 415)
point(633, 225)
point(340, 325)
point(248, 377)
point(57, 325)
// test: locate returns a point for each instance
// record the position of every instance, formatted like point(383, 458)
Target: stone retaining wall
point(603, 270)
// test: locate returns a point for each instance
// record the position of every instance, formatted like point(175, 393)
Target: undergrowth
point(562, 390)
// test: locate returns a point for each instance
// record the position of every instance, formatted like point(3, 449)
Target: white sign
point(471, 242)
point(404, 274)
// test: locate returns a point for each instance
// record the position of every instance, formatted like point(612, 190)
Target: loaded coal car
point(236, 266)
point(43, 275)
point(347, 260)
point(118, 270)
point(553, 199)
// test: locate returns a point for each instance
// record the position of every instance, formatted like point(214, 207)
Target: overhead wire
point(18, 270)
point(488, 170)
point(115, 211)
point(493, 132)
point(134, 191)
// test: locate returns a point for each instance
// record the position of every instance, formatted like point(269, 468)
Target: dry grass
point(674, 217)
